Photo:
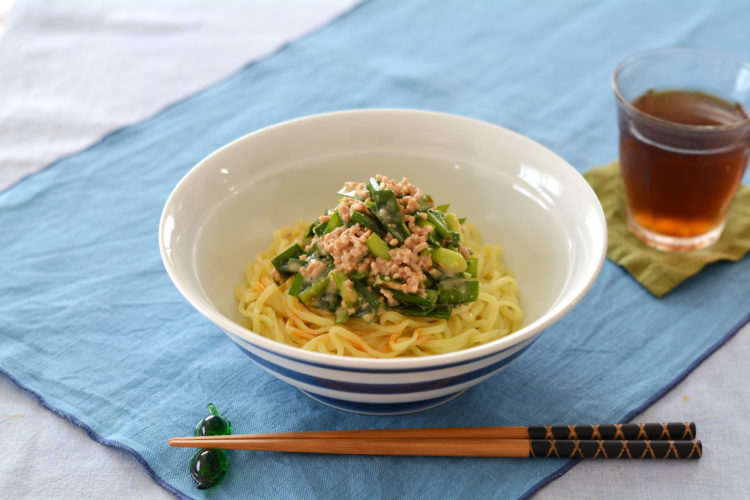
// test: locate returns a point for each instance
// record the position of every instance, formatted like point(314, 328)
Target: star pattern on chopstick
point(553, 448)
point(652, 431)
point(688, 434)
point(696, 449)
point(624, 451)
point(641, 449)
point(648, 449)
point(596, 434)
point(642, 432)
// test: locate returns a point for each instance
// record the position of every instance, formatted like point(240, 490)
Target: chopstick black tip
point(675, 431)
point(643, 449)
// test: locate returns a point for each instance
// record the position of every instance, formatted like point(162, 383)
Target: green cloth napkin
point(657, 270)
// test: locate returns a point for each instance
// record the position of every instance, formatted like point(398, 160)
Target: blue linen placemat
point(90, 322)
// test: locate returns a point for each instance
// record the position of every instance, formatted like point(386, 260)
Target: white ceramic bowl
point(517, 193)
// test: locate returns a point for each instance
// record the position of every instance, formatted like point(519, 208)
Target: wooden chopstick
point(602, 441)
point(651, 431)
point(458, 447)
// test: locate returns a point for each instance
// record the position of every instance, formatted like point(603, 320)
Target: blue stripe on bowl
point(362, 388)
point(238, 340)
point(381, 408)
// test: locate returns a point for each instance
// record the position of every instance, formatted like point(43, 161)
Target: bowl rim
point(381, 364)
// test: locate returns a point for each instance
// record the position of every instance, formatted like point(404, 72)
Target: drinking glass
point(681, 173)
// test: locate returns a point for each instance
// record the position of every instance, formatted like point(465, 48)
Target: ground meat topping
point(276, 276)
point(409, 195)
point(406, 266)
point(399, 252)
point(313, 269)
point(348, 205)
point(464, 250)
point(346, 246)
point(358, 189)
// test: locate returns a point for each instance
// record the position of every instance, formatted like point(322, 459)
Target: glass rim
point(682, 126)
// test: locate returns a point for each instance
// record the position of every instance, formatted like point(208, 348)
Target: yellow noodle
point(271, 312)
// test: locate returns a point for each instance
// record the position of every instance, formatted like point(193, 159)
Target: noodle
point(271, 312)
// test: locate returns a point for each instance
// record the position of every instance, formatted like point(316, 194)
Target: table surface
point(45, 446)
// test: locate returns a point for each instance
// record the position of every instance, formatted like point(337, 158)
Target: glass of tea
point(684, 142)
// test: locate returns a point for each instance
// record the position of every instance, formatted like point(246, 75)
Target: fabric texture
point(660, 271)
point(86, 94)
point(73, 71)
point(91, 323)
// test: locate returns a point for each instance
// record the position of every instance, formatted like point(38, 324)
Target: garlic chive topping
point(384, 246)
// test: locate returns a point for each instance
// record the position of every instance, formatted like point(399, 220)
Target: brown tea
point(680, 179)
